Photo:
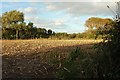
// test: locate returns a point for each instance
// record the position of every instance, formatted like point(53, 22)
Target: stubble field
point(34, 58)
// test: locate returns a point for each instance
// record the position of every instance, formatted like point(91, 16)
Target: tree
point(28, 30)
point(110, 49)
point(13, 19)
point(49, 31)
point(96, 23)
point(114, 38)
point(41, 32)
point(72, 35)
point(98, 26)
point(14, 27)
point(30, 25)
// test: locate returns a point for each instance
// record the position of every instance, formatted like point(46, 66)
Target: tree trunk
point(17, 34)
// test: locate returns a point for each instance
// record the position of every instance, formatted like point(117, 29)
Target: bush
point(109, 60)
point(71, 66)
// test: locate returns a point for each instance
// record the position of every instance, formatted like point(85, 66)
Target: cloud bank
point(81, 8)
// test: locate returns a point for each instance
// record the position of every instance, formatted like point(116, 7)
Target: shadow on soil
point(37, 65)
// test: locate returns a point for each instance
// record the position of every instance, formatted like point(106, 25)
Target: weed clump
point(71, 66)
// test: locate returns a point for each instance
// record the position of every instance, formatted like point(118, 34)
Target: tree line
point(15, 27)
point(96, 28)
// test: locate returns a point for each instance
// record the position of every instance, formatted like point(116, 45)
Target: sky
point(60, 16)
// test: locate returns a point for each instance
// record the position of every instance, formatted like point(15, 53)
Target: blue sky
point(67, 17)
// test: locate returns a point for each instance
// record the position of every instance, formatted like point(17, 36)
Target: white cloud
point(58, 22)
point(50, 7)
point(29, 10)
point(81, 8)
point(57, 25)
point(39, 22)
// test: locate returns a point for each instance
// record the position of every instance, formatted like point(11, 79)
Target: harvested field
point(32, 58)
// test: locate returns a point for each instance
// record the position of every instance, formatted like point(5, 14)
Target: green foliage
point(60, 36)
point(98, 26)
point(14, 21)
point(73, 55)
point(71, 36)
point(109, 59)
point(84, 35)
point(95, 22)
point(14, 27)
point(49, 32)
point(70, 67)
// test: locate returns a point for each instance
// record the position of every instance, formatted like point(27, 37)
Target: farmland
point(57, 41)
point(33, 58)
